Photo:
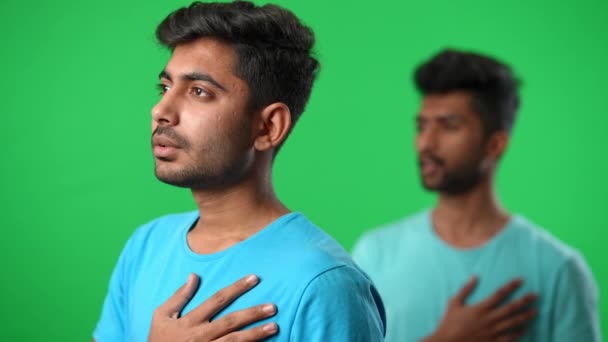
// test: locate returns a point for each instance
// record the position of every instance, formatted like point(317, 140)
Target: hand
point(487, 320)
point(195, 326)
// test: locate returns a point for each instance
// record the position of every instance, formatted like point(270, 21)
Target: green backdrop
point(79, 80)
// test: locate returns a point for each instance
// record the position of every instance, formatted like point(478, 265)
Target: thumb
point(176, 303)
point(466, 290)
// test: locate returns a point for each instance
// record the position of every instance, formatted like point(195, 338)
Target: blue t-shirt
point(320, 294)
point(417, 274)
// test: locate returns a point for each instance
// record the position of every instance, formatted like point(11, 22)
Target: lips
point(163, 141)
point(428, 168)
point(163, 147)
point(429, 165)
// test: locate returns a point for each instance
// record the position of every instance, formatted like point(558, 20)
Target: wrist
point(436, 336)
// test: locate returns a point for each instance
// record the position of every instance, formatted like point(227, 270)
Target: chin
point(167, 179)
point(432, 184)
point(165, 174)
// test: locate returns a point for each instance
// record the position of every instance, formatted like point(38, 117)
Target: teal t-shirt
point(417, 274)
point(320, 294)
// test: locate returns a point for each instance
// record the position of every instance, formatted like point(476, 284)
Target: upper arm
point(575, 309)
point(339, 305)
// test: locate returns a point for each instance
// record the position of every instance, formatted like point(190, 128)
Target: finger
point(466, 290)
point(236, 320)
point(514, 322)
point(513, 307)
point(222, 298)
point(498, 296)
point(174, 305)
point(512, 336)
point(250, 335)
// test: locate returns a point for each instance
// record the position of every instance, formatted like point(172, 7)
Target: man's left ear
point(274, 123)
point(497, 145)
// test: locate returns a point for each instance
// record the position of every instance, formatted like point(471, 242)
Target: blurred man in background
point(468, 270)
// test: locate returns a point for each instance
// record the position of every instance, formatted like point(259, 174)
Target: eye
point(451, 125)
point(163, 88)
point(200, 92)
point(419, 126)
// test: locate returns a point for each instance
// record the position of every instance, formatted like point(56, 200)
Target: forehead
point(457, 103)
point(204, 55)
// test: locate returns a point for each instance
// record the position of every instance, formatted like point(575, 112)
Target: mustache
point(429, 156)
point(173, 135)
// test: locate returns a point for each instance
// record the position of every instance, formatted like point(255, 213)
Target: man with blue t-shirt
point(238, 79)
point(467, 270)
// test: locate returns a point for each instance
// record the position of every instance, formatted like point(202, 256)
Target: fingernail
point(269, 308)
point(252, 279)
point(270, 327)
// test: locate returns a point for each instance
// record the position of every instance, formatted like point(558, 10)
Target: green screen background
point(79, 79)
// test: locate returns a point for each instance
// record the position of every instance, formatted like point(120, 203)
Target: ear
point(274, 123)
point(497, 145)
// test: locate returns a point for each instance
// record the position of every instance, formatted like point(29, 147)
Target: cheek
point(213, 126)
point(224, 126)
point(195, 127)
point(417, 143)
point(213, 131)
point(456, 147)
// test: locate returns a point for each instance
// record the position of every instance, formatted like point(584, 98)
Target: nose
point(166, 111)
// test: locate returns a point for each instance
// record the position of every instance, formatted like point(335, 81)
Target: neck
point(469, 219)
point(230, 215)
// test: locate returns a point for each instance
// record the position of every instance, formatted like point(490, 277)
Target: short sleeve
point(112, 324)
point(339, 305)
point(575, 314)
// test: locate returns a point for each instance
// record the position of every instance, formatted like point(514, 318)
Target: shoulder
point(396, 230)
point(160, 230)
point(391, 239)
point(547, 246)
point(308, 246)
point(165, 224)
point(333, 281)
point(312, 252)
point(553, 257)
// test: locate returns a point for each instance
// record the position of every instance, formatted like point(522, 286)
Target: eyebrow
point(441, 117)
point(194, 76)
point(450, 117)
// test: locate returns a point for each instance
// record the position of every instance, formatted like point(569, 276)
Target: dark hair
point(492, 85)
point(272, 46)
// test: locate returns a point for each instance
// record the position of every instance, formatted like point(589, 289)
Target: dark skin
point(169, 325)
point(450, 144)
point(211, 114)
point(196, 325)
point(459, 162)
point(206, 138)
